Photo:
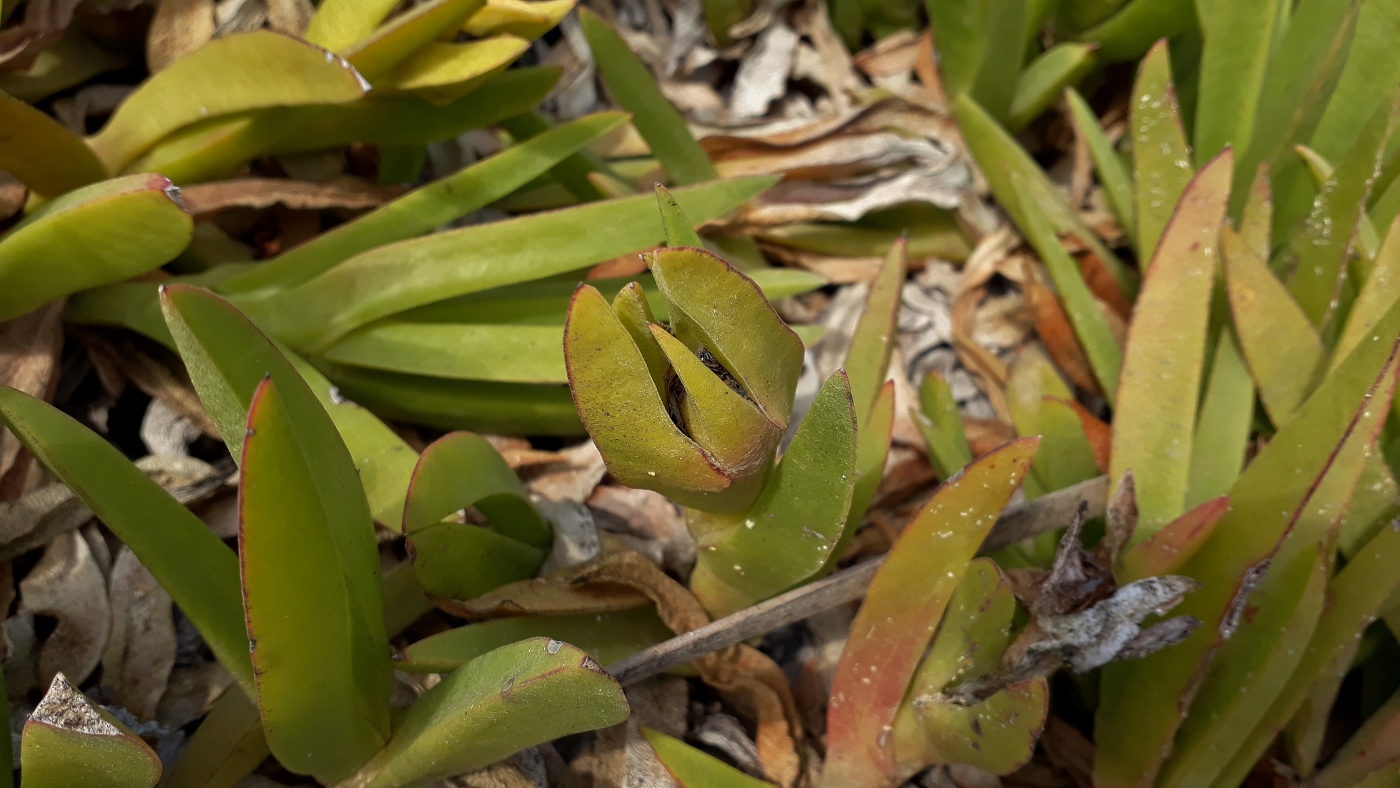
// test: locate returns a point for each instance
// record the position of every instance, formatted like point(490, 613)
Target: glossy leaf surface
point(42, 154)
point(458, 560)
point(1155, 416)
point(1132, 30)
point(1165, 552)
point(789, 532)
point(1322, 245)
point(443, 73)
point(528, 19)
point(230, 74)
point(97, 235)
point(408, 33)
point(511, 698)
point(311, 588)
point(1045, 78)
point(1161, 159)
point(902, 609)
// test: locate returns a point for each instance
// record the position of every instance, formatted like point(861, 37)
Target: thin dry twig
point(1018, 522)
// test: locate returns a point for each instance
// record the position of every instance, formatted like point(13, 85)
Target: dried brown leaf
point(29, 350)
point(141, 648)
point(178, 28)
point(68, 585)
point(204, 199)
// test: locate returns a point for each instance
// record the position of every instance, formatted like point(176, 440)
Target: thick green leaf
point(873, 341)
point(1133, 30)
point(1005, 24)
point(695, 769)
point(607, 637)
point(1322, 245)
point(504, 353)
point(42, 154)
point(311, 588)
point(788, 533)
point(872, 451)
point(902, 608)
point(69, 740)
point(337, 24)
point(97, 235)
point(215, 148)
point(959, 36)
point(1090, 326)
point(1367, 241)
point(1161, 158)
point(1139, 709)
point(1284, 352)
point(459, 560)
point(679, 231)
point(500, 703)
point(528, 19)
point(1117, 183)
point(198, 570)
point(230, 74)
point(1253, 666)
point(715, 307)
point(411, 273)
point(408, 34)
point(656, 120)
point(997, 735)
point(1304, 66)
point(1046, 78)
point(227, 356)
point(425, 208)
point(1237, 39)
point(624, 411)
point(498, 408)
point(941, 425)
point(1222, 424)
point(1155, 417)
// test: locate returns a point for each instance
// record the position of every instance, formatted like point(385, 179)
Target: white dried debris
point(68, 709)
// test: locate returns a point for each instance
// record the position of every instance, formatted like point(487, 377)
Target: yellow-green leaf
point(311, 588)
point(1155, 416)
point(100, 234)
point(1161, 159)
point(230, 74)
point(42, 154)
point(68, 740)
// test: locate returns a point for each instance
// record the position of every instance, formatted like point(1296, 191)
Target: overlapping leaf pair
point(696, 410)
